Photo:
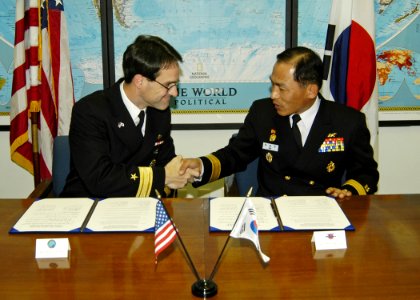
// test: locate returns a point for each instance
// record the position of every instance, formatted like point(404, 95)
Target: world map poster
point(228, 47)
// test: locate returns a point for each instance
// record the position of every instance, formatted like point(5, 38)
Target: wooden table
point(382, 260)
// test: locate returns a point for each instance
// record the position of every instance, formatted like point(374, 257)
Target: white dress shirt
point(133, 110)
point(307, 119)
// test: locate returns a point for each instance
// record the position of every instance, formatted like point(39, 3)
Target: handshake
point(180, 171)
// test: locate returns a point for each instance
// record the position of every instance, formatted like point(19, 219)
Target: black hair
point(147, 56)
point(308, 65)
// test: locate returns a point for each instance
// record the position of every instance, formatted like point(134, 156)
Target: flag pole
point(228, 238)
point(35, 147)
point(201, 288)
point(178, 235)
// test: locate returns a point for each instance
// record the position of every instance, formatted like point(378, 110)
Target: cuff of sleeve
point(216, 167)
point(355, 187)
point(146, 182)
point(159, 181)
point(211, 168)
point(198, 179)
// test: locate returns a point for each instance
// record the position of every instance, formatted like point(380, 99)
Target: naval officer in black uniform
point(306, 145)
point(120, 140)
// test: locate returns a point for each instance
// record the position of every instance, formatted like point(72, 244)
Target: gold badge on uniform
point(330, 167)
point(273, 135)
point(134, 176)
point(269, 157)
point(152, 163)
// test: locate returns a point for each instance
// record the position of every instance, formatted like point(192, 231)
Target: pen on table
point(85, 222)
point(276, 213)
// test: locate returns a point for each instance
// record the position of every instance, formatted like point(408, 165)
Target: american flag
point(42, 82)
point(165, 232)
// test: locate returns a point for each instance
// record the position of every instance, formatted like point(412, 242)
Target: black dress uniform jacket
point(109, 156)
point(337, 152)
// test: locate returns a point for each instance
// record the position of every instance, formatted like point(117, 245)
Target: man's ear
point(312, 90)
point(138, 80)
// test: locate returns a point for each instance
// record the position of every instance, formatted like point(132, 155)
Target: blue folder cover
point(348, 228)
point(80, 229)
point(87, 230)
point(281, 226)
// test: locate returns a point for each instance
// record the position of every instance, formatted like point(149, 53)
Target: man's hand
point(338, 193)
point(174, 179)
point(191, 165)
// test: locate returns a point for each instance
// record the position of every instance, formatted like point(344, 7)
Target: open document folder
point(281, 214)
point(88, 215)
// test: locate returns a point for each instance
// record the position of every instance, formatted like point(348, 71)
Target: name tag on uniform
point(270, 147)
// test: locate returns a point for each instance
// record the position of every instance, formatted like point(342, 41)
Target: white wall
point(399, 161)
point(15, 182)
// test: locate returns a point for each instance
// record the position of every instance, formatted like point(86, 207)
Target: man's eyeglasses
point(169, 87)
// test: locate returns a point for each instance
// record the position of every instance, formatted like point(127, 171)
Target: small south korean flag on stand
point(246, 227)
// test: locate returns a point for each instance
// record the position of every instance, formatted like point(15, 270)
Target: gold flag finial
point(249, 192)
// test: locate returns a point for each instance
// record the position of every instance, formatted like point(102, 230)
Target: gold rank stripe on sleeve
point(215, 167)
point(146, 180)
point(356, 185)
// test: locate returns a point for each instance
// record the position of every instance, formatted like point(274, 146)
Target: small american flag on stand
point(165, 232)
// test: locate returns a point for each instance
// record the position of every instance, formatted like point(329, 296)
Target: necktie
point(296, 132)
point(141, 117)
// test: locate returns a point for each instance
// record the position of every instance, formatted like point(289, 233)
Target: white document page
point(54, 215)
point(123, 214)
point(225, 210)
point(311, 213)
